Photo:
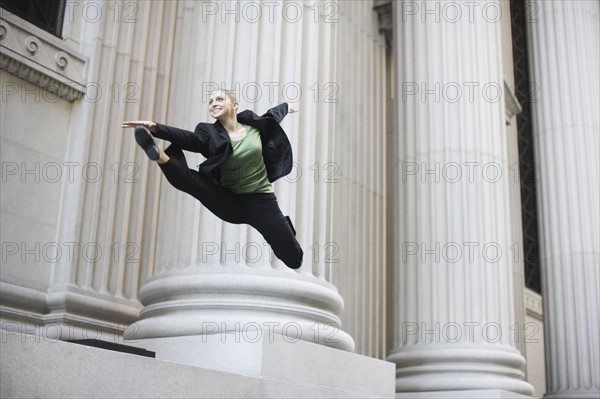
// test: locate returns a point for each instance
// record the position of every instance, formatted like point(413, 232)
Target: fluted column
point(102, 235)
point(565, 67)
point(455, 323)
point(214, 277)
point(357, 174)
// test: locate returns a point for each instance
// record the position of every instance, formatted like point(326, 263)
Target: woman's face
point(220, 105)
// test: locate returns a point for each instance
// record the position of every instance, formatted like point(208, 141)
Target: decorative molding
point(22, 303)
point(72, 302)
point(533, 304)
point(512, 106)
point(386, 21)
point(28, 310)
point(192, 304)
point(40, 58)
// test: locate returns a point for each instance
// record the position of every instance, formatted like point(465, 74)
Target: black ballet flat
point(145, 140)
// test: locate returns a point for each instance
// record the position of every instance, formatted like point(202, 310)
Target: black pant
point(259, 210)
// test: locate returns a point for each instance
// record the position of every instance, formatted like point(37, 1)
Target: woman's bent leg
point(262, 212)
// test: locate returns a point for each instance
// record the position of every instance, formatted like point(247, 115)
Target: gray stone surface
point(472, 394)
point(33, 366)
point(272, 356)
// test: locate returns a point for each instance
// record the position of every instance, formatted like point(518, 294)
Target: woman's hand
point(153, 127)
point(292, 106)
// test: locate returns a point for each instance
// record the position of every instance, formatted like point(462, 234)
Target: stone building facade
point(409, 191)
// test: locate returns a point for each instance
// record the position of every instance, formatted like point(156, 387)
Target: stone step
point(33, 366)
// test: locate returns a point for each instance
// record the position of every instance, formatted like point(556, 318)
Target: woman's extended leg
point(220, 201)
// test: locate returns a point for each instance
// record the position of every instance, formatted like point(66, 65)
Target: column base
point(466, 367)
point(471, 394)
point(575, 394)
point(241, 301)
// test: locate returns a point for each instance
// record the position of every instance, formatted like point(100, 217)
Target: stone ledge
point(40, 58)
point(265, 354)
point(474, 394)
point(534, 304)
point(43, 368)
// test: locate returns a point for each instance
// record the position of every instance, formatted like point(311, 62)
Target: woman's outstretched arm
point(186, 140)
point(152, 126)
point(280, 111)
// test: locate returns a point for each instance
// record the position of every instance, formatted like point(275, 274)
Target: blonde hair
point(232, 95)
point(229, 93)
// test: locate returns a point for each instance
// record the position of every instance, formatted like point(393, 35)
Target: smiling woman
point(245, 153)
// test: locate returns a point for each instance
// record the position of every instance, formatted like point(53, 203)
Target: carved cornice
point(533, 303)
point(511, 104)
point(386, 22)
point(40, 58)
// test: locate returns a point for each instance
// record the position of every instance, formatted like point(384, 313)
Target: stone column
point(565, 69)
point(217, 278)
point(99, 207)
point(455, 328)
point(357, 176)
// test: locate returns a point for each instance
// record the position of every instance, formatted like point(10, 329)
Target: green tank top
point(245, 171)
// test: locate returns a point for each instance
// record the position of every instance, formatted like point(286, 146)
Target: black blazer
point(212, 141)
